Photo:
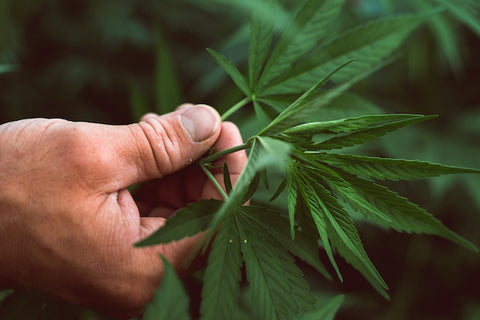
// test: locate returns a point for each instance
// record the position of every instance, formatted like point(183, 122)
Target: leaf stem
point(236, 107)
point(223, 153)
point(214, 181)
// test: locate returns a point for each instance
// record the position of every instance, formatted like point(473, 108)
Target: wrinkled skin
point(67, 220)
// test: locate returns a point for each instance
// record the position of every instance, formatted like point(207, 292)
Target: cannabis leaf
point(170, 301)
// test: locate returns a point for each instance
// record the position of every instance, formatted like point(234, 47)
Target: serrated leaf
point(345, 125)
point(232, 71)
point(300, 103)
point(392, 169)
point(265, 151)
point(308, 28)
point(345, 238)
point(364, 135)
point(317, 211)
point(327, 311)
point(170, 300)
point(261, 31)
point(404, 215)
point(192, 219)
point(278, 288)
point(167, 84)
point(303, 247)
point(368, 45)
point(221, 287)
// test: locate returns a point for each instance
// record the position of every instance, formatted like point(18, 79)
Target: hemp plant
point(323, 182)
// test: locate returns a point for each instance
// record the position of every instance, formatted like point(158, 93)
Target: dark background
point(111, 61)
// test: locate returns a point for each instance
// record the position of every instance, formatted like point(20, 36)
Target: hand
point(67, 221)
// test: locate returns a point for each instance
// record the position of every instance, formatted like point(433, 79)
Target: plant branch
point(236, 107)
point(223, 153)
point(214, 181)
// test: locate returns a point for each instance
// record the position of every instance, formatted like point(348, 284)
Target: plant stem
point(236, 107)
point(214, 181)
point(223, 153)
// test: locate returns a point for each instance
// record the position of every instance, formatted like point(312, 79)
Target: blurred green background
point(112, 61)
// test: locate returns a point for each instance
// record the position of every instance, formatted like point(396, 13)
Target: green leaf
point(226, 178)
point(467, 11)
point(303, 247)
point(232, 71)
point(221, 287)
point(278, 287)
point(170, 301)
point(167, 85)
point(392, 169)
point(265, 151)
point(186, 222)
point(327, 311)
point(281, 187)
point(300, 103)
point(261, 115)
point(345, 125)
point(404, 215)
point(345, 238)
point(364, 135)
point(306, 31)
point(261, 31)
point(368, 45)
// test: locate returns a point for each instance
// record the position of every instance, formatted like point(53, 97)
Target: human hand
point(67, 221)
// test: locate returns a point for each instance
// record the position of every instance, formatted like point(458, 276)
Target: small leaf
point(392, 169)
point(404, 215)
point(232, 71)
point(364, 135)
point(306, 31)
point(301, 102)
point(281, 187)
point(327, 311)
point(368, 45)
point(226, 178)
point(221, 287)
point(261, 31)
point(170, 301)
point(186, 222)
point(278, 287)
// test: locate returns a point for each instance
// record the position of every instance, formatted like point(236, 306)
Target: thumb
point(160, 145)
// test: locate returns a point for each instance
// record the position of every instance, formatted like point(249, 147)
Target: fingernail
point(200, 122)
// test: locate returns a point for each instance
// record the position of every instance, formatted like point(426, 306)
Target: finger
point(151, 149)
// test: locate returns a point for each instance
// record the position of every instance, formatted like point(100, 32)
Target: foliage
point(297, 80)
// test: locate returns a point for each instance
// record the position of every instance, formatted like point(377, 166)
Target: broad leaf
point(277, 226)
point(404, 215)
point(364, 135)
point(186, 222)
point(306, 31)
point(300, 103)
point(232, 71)
point(261, 31)
point(368, 45)
point(278, 287)
point(345, 238)
point(327, 311)
point(170, 301)
point(265, 151)
point(345, 125)
point(392, 169)
point(221, 287)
